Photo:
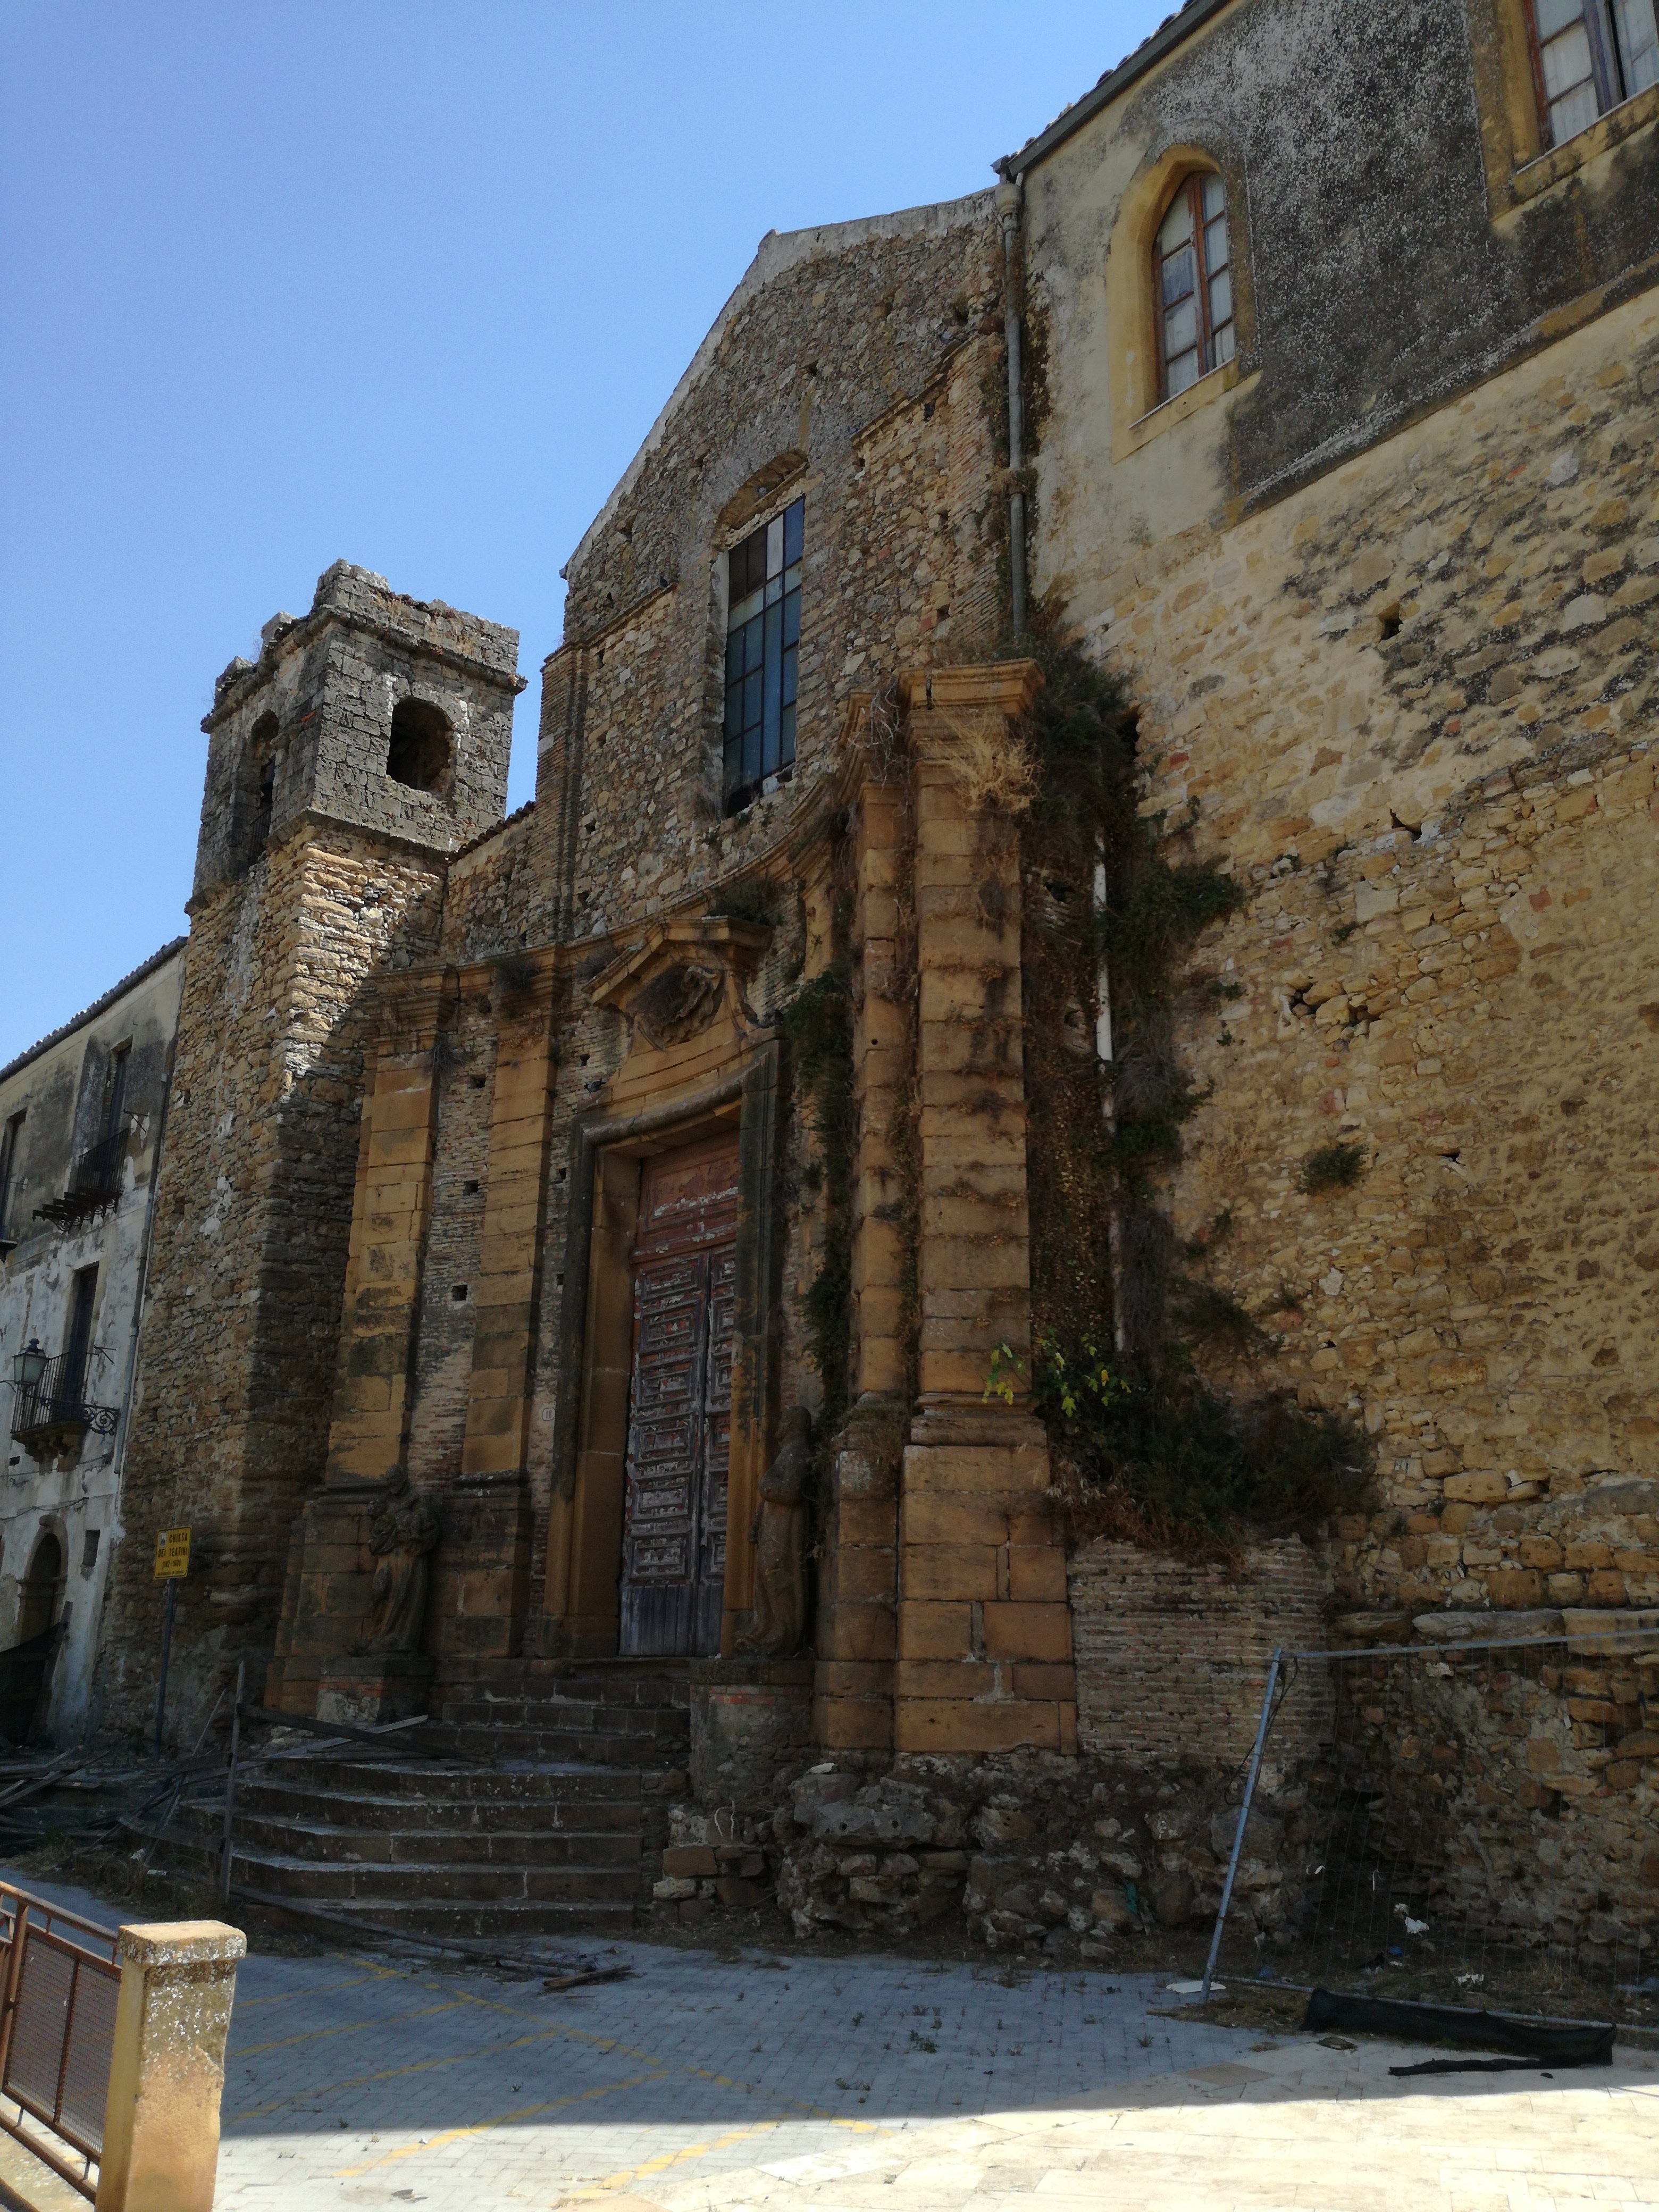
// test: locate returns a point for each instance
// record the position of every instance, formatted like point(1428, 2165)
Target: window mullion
point(1604, 54)
point(1201, 276)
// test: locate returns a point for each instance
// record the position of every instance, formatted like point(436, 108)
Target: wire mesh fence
point(1473, 1823)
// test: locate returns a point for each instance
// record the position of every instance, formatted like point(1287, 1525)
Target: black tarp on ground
point(1478, 2030)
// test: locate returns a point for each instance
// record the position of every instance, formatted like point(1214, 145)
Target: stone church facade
point(566, 1160)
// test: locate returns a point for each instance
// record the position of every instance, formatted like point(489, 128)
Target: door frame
point(596, 1323)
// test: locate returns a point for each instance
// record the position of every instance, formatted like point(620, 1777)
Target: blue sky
point(404, 283)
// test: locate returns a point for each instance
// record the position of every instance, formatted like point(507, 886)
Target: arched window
point(418, 754)
point(256, 791)
point(1192, 277)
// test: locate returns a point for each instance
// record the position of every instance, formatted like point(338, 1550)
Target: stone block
point(852, 1724)
point(1029, 1631)
point(948, 1571)
point(976, 1470)
point(860, 1631)
point(690, 1860)
point(936, 1631)
point(866, 1572)
point(1477, 1489)
point(1036, 1573)
point(931, 1518)
point(940, 1724)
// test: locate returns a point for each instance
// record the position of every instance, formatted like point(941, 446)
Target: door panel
point(673, 1564)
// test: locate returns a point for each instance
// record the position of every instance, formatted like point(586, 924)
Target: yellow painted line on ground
point(606, 2042)
point(795, 2104)
point(481, 2050)
point(673, 2158)
point(345, 2028)
point(660, 2165)
point(316, 1990)
point(498, 2120)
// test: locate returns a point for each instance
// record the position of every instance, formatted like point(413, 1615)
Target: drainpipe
point(1008, 197)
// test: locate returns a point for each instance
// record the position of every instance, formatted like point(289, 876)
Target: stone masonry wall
point(253, 1211)
point(330, 680)
point(1415, 707)
point(848, 369)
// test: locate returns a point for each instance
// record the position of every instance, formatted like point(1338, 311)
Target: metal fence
point(1478, 1825)
point(61, 1983)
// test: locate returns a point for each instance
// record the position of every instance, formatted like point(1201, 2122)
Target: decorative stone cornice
point(1003, 687)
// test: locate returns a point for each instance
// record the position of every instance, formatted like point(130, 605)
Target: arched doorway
point(24, 1670)
point(41, 1589)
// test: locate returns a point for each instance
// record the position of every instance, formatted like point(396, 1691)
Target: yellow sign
point(172, 1555)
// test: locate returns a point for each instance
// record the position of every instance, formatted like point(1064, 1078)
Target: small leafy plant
point(1333, 1167)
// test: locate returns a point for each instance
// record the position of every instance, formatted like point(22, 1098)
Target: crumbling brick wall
point(1172, 1656)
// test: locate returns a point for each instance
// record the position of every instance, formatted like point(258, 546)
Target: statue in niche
point(778, 1624)
point(401, 1535)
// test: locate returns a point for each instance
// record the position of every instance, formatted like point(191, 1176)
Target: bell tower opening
point(419, 753)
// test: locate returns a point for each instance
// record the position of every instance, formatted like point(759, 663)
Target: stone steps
point(435, 1847)
point(531, 1815)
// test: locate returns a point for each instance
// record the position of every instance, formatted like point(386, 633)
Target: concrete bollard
point(161, 2119)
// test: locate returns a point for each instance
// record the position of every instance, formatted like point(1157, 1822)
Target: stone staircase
point(542, 1810)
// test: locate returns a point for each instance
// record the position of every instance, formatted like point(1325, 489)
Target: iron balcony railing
point(95, 1182)
point(58, 1401)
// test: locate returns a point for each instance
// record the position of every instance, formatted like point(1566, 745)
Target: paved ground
point(359, 2079)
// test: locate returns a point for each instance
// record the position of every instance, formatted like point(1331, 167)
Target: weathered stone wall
point(330, 681)
point(253, 1212)
point(1446, 835)
point(848, 368)
point(1385, 258)
point(1172, 1658)
point(64, 1485)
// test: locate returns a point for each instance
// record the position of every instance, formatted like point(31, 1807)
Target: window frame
point(11, 1142)
point(80, 1318)
point(766, 745)
point(1191, 184)
point(1609, 68)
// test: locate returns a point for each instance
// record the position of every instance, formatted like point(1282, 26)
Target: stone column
point(167, 2066)
point(984, 1651)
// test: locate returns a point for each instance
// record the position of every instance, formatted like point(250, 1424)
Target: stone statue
point(402, 1532)
point(778, 1531)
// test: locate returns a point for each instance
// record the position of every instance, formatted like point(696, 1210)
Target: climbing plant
point(1151, 1449)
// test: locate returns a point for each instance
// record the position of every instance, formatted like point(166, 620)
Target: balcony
point(54, 1406)
point(95, 1183)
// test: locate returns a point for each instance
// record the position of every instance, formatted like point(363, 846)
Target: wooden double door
point(679, 1409)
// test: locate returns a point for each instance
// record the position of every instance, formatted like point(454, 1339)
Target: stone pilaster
point(392, 1206)
point(857, 1628)
point(985, 1654)
point(326, 1585)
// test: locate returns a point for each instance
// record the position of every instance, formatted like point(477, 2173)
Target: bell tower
point(367, 743)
